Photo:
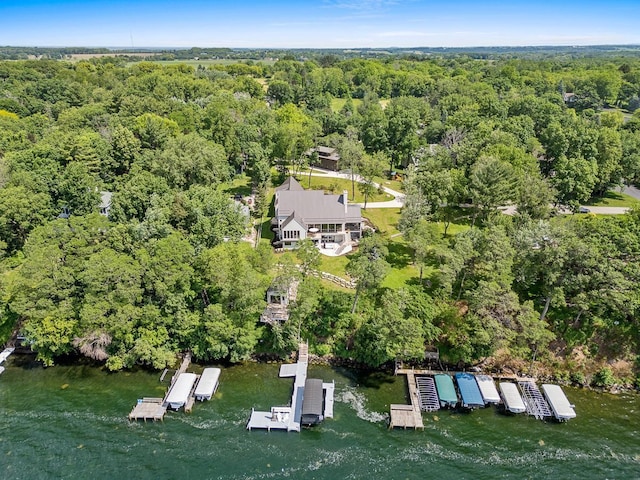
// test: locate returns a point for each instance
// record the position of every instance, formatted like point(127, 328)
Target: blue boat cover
point(469, 391)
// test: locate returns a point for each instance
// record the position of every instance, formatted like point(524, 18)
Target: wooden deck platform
point(148, 409)
point(407, 416)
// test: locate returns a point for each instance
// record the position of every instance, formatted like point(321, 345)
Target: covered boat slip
point(562, 409)
point(469, 391)
point(427, 394)
point(208, 384)
point(289, 417)
point(312, 402)
point(446, 390)
point(534, 401)
point(487, 389)
point(181, 390)
point(511, 397)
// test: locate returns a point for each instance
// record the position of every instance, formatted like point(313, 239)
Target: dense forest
point(169, 270)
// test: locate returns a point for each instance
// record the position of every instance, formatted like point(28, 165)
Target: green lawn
point(334, 265)
point(395, 185)
point(340, 184)
point(613, 199)
point(402, 271)
point(241, 184)
point(338, 103)
point(385, 220)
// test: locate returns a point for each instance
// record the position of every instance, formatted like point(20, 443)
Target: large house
point(330, 221)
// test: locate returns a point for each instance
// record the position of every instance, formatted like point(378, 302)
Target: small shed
point(312, 402)
point(180, 391)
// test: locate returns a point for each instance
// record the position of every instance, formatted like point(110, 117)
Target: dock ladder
point(427, 394)
point(535, 403)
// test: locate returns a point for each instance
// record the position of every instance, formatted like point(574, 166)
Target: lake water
point(71, 422)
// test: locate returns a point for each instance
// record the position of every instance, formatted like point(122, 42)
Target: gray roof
point(313, 206)
point(105, 199)
point(292, 217)
point(290, 184)
point(312, 400)
point(328, 150)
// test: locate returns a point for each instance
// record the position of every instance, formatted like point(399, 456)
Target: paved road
point(632, 192)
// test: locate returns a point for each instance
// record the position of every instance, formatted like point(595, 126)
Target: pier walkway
point(535, 403)
point(288, 417)
point(151, 408)
point(407, 416)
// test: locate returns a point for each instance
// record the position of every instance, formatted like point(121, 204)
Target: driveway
point(398, 198)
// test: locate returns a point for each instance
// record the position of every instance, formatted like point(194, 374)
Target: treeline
point(169, 141)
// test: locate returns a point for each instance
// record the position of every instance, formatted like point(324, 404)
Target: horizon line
point(390, 47)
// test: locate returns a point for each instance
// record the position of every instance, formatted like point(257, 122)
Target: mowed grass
point(614, 199)
point(340, 184)
point(384, 220)
point(338, 103)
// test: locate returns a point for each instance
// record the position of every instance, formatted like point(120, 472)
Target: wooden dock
point(148, 409)
point(152, 408)
point(408, 416)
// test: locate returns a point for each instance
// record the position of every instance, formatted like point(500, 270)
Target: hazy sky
point(320, 23)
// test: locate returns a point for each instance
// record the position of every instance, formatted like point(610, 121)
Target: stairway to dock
point(427, 394)
point(535, 403)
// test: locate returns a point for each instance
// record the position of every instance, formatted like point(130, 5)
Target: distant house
point(569, 98)
point(105, 203)
point(330, 221)
point(328, 158)
point(104, 207)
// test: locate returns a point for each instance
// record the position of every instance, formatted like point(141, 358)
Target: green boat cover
point(446, 390)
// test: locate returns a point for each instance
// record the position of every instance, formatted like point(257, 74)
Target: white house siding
point(292, 233)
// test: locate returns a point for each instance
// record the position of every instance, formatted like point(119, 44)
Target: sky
point(317, 24)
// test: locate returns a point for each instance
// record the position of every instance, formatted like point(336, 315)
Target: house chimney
point(345, 201)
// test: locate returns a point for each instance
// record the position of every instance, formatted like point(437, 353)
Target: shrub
point(578, 378)
point(604, 378)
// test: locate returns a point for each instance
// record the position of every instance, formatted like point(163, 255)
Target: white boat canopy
point(181, 390)
point(511, 397)
point(208, 384)
point(558, 401)
point(488, 389)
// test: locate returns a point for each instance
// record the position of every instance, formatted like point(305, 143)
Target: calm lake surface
point(70, 422)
